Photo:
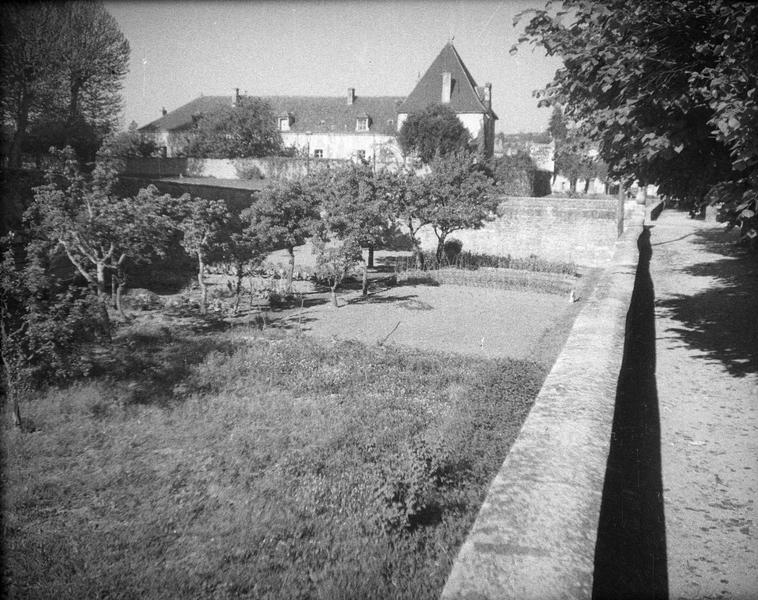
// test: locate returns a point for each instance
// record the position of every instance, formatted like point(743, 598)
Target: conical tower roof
point(463, 93)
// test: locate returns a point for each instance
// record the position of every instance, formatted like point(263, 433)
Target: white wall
point(344, 145)
point(474, 122)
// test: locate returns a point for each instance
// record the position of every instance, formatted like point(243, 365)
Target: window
point(284, 123)
point(361, 124)
point(318, 153)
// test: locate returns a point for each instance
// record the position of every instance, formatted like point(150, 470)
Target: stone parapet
point(535, 534)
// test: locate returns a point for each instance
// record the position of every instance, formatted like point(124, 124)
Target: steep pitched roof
point(181, 118)
point(309, 113)
point(463, 95)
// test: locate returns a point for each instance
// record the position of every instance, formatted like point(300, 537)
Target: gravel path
point(707, 379)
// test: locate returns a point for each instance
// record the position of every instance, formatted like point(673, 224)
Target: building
point(351, 126)
point(448, 82)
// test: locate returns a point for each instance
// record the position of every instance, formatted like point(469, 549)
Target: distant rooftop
point(308, 113)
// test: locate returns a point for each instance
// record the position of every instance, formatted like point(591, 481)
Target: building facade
point(351, 126)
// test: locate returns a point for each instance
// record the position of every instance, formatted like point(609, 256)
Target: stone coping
point(535, 534)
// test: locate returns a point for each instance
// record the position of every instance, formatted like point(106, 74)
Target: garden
point(291, 423)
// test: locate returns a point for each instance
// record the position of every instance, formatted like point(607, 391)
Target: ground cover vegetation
point(256, 463)
point(666, 90)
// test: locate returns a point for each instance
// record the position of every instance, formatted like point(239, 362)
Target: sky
point(180, 50)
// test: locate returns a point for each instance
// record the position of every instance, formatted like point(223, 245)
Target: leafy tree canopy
point(434, 131)
point(666, 88)
point(459, 193)
point(63, 68)
point(245, 130)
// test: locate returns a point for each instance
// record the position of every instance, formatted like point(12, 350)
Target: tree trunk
point(114, 290)
point(364, 283)
point(572, 184)
point(22, 122)
point(10, 382)
point(370, 256)
point(418, 254)
point(201, 283)
point(240, 273)
point(586, 185)
point(291, 270)
point(100, 280)
point(121, 278)
point(334, 296)
point(440, 245)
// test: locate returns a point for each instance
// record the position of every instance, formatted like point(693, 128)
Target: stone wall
point(535, 534)
point(270, 167)
point(562, 229)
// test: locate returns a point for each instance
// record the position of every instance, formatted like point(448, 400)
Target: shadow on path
point(630, 553)
point(720, 320)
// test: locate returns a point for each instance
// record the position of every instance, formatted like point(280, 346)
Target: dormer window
point(283, 122)
point(361, 124)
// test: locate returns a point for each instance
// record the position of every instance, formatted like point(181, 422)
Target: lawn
point(301, 460)
point(256, 464)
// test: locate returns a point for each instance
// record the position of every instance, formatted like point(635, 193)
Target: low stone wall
point(535, 534)
point(270, 167)
point(582, 231)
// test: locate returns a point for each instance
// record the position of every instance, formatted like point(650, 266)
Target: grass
point(247, 463)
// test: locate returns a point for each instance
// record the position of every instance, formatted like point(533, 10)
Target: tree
point(45, 325)
point(334, 262)
point(129, 143)
point(97, 230)
point(460, 194)
point(284, 216)
point(435, 130)
point(666, 88)
point(355, 207)
point(203, 227)
point(515, 174)
point(65, 67)
point(245, 130)
point(243, 250)
point(403, 191)
point(573, 158)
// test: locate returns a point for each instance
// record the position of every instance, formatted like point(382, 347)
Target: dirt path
point(706, 327)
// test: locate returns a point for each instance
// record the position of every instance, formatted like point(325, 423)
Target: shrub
point(452, 249)
point(246, 170)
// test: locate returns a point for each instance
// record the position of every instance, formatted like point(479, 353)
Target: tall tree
point(434, 131)
point(66, 63)
point(247, 129)
point(666, 88)
point(30, 74)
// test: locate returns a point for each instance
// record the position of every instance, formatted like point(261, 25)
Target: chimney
point(487, 96)
point(164, 112)
point(447, 86)
point(350, 96)
point(236, 100)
